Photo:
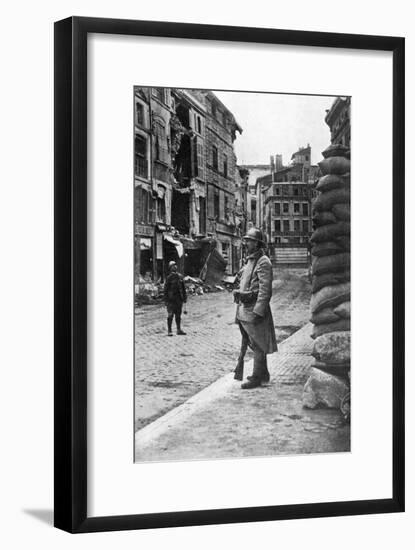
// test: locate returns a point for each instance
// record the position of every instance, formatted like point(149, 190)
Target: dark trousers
point(174, 309)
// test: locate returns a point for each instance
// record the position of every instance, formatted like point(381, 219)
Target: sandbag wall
point(330, 301)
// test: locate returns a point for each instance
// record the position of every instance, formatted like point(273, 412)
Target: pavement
point(169, 371)
point(223, 421)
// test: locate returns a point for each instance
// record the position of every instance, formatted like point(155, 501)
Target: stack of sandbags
point(330, 301)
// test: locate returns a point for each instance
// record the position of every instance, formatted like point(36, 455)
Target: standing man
point(253, 313)
point(174, 297)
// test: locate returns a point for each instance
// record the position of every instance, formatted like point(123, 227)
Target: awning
point(190, 244)
point(177, 244)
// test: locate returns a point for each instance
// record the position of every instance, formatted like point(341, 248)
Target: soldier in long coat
point(253, 313)
point(174, 298)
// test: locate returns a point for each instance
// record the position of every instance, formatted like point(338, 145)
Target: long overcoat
point(257, 278)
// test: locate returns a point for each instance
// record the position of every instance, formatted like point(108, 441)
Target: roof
point(301, 150)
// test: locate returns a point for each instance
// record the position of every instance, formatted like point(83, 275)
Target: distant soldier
point(253, 313)
point(174, 297)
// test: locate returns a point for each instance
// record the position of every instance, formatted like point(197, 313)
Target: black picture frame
point(70, 173)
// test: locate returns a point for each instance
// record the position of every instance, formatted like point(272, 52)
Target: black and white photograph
point(242, 286)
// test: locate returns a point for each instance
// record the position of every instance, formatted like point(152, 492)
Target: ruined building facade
point(185, 178)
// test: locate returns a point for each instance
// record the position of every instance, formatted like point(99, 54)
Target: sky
point(278, 124)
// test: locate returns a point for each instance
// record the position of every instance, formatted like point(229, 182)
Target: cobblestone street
point(168, 371)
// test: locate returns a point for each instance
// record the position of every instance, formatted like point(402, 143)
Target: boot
point(253, 382)
point(264, 375)
point(169, 323)
point(180, 332)
point(239, 370)
point(258, 372)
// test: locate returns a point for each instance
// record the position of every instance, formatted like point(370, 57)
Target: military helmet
point(255, 234)
point(171, 264)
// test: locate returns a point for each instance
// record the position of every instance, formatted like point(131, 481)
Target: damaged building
point(185, 183)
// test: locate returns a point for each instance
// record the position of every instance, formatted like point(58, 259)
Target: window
point(277, 209)
point(145, 206)
point(277, 240)
point(213, 110)
point(285, 207)
point(159, 93)
point(200, 163)
point(225, 166)
point(161, 210)
point(305, 226)
point(202, 215)
point(306, 157)
point(296, 225)
point(216, 205)
point(162, 153)
point(296, 191)
point(305, 209)
point(277, 226)
point(199, 125)
point(140, 161)
point(296, 207)
point(224, 121)
point(276, 190)
point(139, 113)
point(286, 225)
point(214, 157)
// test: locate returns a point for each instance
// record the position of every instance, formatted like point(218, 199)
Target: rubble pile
point(148, 292)
point(330, 301)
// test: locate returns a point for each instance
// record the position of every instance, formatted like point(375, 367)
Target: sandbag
point(344, 241)
point(325, 201)
point(324, 316)
point(342, 370)
point(330, 232)
point(341, 211)
point(340, 324)
point(330, 263)
point(343, 310)
point(323, 218)
point(332, 347)
point(324, 390)
point(331, 181)
point(334, 165)
point(336, 150)
point(329, 279)
point(329, 296)
point(325, 249)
